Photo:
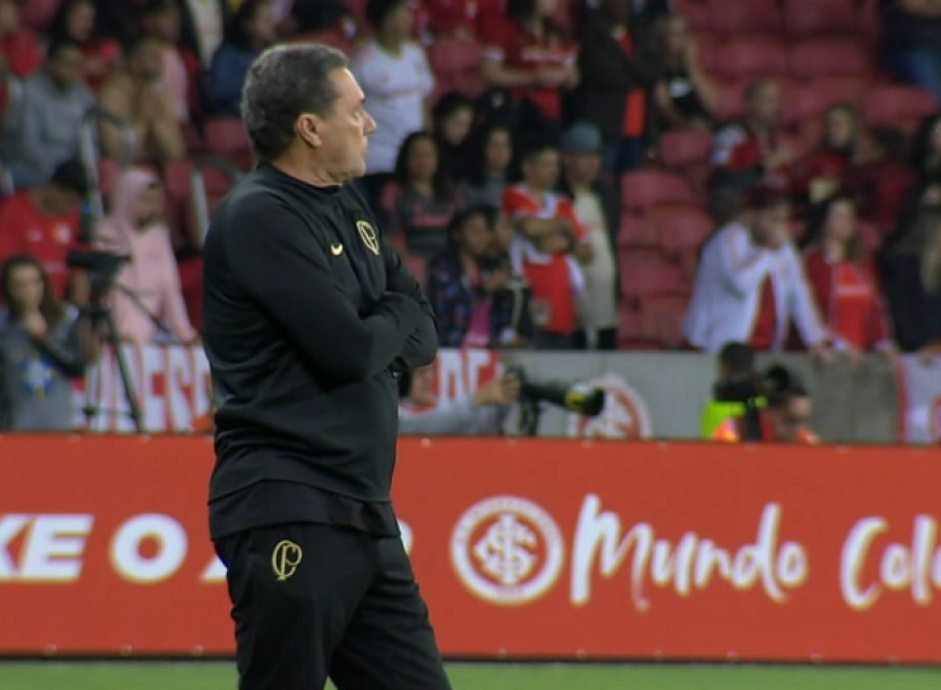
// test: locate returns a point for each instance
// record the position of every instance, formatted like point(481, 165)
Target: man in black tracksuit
point(308, 315)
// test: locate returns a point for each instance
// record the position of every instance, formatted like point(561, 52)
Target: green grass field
point(219, 676)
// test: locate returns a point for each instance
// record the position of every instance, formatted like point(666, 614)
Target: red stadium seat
point(826, 57)
point(645, 188)
point(636, 231)
point(636, 331)
point(664, 315)
point(902, 107)
point(451, 55)
point(685, 148)
point(681, 229)
point(697, 13)
point(734, 17)
point(227, 137)
point(803, 18)
point(813, 98)
point(752, 57)
point(648, 272)
point(731, 100)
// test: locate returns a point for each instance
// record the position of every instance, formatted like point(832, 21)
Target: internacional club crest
point(507, 550)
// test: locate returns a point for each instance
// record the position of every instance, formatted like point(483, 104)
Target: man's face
point(542, 171)
point(65, 68)
point(582, 168)
point(765, 105)
point(790, 419)
point(771, 224)
point(343, 134)
point(147, 62)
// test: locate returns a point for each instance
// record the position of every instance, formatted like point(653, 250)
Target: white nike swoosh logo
point(336, 249)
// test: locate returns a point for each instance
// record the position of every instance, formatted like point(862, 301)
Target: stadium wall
point(649, 395)
point(523, 549)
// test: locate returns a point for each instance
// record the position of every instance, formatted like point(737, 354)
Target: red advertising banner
point(523, 549)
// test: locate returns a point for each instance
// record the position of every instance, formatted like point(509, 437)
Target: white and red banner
point(173, 387)
point(522, 548)
point(919, 401)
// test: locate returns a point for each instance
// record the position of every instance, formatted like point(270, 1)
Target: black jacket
point(307, 316)
point(608, 74)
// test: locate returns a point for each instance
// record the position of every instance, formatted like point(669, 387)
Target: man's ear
point(308, 128)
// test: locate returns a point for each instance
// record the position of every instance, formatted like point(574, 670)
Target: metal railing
point(88, 151)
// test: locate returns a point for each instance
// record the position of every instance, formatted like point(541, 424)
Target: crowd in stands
point(561, 174)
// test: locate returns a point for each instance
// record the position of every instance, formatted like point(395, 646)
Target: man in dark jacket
point(308, 317)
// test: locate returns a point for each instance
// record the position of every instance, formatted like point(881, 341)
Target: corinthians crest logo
point(368, 234)
point(507, 550)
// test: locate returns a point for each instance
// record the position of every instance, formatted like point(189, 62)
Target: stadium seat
point(648, 272)
point(697, 13)
point(227, 137)
point(636, 331)
point(177, 180)
point(812, 99)
point(680, 229)
point(664, 315)
point(734, 17)
point(731, 100)
point(898, 106)
point(805, 18)
point(827, 57)
point(451, 55)
point(645, 188)
point(635, 231)
point(752, 57)
point(682, 149)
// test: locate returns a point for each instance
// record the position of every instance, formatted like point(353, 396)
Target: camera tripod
point(101, 315)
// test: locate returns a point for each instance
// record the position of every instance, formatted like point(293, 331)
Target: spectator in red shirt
point(75, 20)
point(843, 282)
point(45, 222)
point(752, 151)
point(529, 55)
point(19, 53)
point(453, 17)
point(549, 247)
point(840, 148)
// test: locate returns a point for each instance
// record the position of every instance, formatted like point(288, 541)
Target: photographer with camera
point(779, 411)
point(44, 344)
point(736, 390)
point(481, 413)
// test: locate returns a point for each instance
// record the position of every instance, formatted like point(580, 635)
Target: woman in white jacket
point(751, 284)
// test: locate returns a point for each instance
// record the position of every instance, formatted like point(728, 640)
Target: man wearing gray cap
point(596, 207)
